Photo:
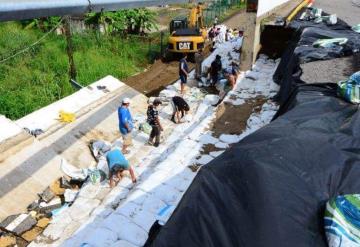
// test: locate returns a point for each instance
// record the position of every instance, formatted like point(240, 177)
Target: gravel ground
point(345, 9)
point(341, 68)
point(317, 72)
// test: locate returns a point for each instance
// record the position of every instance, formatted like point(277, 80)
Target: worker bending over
point(179, 105)
point(117, 164)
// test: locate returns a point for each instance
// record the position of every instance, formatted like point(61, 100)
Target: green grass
point(39, 76)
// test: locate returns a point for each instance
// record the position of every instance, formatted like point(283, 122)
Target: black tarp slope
point(270, 189)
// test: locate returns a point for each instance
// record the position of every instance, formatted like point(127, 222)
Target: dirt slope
point(161, 74)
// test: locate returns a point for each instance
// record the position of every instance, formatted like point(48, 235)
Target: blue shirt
point(116, 158)
point(124, 118)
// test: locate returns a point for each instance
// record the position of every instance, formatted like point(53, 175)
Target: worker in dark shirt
point(154, 122)
point(199, 58)
point(179, 105)
point(216, 67)
point(183, 73)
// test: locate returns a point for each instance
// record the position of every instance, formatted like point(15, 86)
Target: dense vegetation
point(39, 76)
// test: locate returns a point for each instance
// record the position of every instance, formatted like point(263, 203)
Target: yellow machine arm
point(196, 19)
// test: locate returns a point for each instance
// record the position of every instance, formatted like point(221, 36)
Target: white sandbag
point(71, 170)
point(144, 219)
point(252, 75)
point(178, 183)
point(70, 195)
point(188, 117)
point(102, 165)
point(125, 229)
point(221, 145)
point(229, 138)
point(100, 237)
point(204, 159)
point(211, 99)
point(167, 93)
point(122, 243)
point(153, 204)
point(216, 153)
point(166, 193)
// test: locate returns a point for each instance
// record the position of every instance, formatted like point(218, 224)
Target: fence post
point(69, 48)
point(149, 49)
point(161, 43)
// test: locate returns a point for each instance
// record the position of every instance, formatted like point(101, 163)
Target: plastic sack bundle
point(328, 43)
point(350, 89)
point(145, 127)
point(95, 175)
point(342, 221)
point(356, 28)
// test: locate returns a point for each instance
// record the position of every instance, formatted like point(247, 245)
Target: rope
point(33, 44)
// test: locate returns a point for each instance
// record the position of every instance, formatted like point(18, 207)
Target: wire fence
point(36, 65)
point(219, 9)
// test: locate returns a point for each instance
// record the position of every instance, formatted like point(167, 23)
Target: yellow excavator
point(187, 35)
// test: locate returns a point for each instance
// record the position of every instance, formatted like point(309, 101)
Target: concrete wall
point(265, 6)
point(29, 169)
point(267, 10)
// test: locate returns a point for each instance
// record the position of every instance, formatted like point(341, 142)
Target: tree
point(44, 24)
point(134, 21)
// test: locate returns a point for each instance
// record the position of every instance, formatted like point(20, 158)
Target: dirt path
point(161, 74)
point(232, 120)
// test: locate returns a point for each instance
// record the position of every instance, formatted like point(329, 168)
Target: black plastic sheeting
point(307, 52)
point(309, 32)
point(301, 50)
point(271, 188)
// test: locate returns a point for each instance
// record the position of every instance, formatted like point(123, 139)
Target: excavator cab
point(178, 23)
point(187, 35)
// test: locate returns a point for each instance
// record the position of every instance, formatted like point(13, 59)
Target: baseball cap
point(126, 101)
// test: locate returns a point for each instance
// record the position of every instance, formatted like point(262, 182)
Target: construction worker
point(216, 20)
point(183, 73)
point(215, 68)
point(117, 164)
point(179, 105)
point(154, 122)
point(226, 84)
point(199, 58)
point(125, 124)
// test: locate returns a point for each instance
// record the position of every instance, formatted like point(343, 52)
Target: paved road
point(340, 68)
point(346, 10)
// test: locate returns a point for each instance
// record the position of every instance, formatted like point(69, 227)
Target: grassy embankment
point(39, 76)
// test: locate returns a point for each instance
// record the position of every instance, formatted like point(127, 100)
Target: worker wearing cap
point(117, 165)
point(154, 121)
point(125, 124)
